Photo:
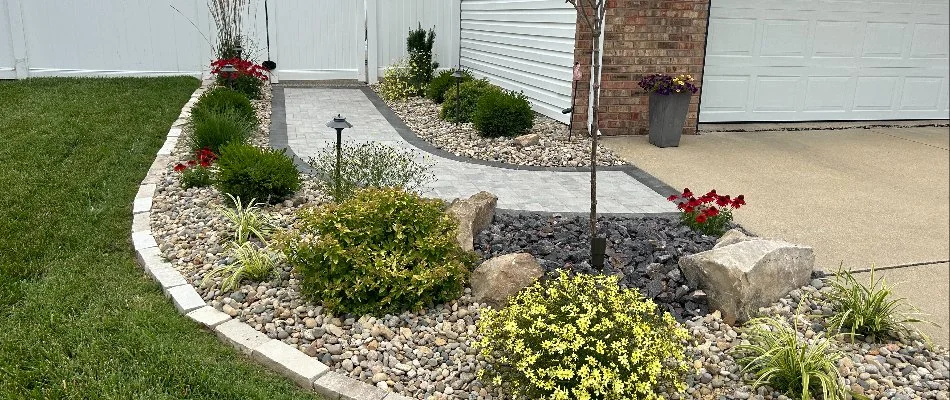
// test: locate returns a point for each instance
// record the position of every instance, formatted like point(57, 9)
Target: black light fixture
point(598, 250)
point(339, 123)
point(458, 75)
point(240, 51)
point(230, 73)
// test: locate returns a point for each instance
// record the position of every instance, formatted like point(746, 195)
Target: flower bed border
point(287, 361)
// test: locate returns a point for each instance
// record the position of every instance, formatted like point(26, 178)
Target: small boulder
point(473, 216)
point(531, 139)
point(733, 236)
point(742, 277)
point(501, 277)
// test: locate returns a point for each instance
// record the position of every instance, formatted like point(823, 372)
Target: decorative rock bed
point(429, 354)
point(554, 148)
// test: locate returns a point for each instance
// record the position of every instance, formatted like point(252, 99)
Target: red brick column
point(641, 37)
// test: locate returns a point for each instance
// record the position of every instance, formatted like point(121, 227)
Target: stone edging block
point(289, 362)
point(304, 370)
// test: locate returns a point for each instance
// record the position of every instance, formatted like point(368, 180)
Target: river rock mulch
point(429, 354)
point(555, 148)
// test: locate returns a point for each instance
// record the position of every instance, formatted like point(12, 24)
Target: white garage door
point(525, 46)
point(826, 60)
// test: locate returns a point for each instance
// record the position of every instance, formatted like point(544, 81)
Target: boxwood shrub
point(381, 251)
point(582, 337)
point(222, 99)
point(444, 85)
point(251, 173)
point(500, 113)
point(461, 109)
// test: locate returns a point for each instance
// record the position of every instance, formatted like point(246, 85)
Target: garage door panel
point(775, 60)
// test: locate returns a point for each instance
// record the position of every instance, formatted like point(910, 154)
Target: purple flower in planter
point(667, 84)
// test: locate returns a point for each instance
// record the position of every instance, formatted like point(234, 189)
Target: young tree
point(592, 12)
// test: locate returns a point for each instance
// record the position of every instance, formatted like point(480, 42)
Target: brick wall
point(641, 38)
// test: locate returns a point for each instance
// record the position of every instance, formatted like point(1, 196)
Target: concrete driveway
point(860, 197)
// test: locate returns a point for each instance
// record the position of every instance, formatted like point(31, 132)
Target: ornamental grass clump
point(709, 214)
point(776, 356)
point(369, 165)
point(867, 311)
point(246, 219)
point(222, 99)
point(582, 337)
point(218, 128)
point(250, 262)
point(383, 251)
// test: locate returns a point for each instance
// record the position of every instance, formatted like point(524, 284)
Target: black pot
point(667, 116)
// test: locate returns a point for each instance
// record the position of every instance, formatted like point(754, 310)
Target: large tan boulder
point(473, 215)
point(733, 236)
point(499, 278)
point(742, 277)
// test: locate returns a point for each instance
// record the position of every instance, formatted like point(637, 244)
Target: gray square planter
point(667, 116)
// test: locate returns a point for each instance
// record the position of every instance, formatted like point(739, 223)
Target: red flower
point(681, 205)
point(711, 212)
point(672, 197)
point(687, 193)
point(694, 203)
point(701, 218)
point(723, 201)
point(180, 167)
point(712, 193)
point(738, 201)
point(204, 164)
point(688, 209)
point(191, 163)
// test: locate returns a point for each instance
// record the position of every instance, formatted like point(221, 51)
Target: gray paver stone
point(241, 336)
point(141, 222)
point(141, 205)
point(289, 362)
point(185, 298)
point(336, 386)
point(143, 240)
point(146, 190)
point(163, 273)
point(208, 316)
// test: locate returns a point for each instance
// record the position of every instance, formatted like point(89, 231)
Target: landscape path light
point(339, 123)
point(240, 51)
point(230, 73)
point(458, 75)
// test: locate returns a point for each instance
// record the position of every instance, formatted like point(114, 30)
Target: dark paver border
point(278, 133)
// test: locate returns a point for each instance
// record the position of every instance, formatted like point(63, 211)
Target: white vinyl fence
point(323, 39)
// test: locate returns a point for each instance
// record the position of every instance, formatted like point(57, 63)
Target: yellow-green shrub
point(397, 80)
point(582, 337)
point(381, 251)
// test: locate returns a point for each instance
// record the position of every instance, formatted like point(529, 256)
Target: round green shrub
point(381, 251)
point(582, 337)
point(222, 99)
point(217, 128)
point(251, 173)
point(246, 84)
point(460, 108)
point(442, 83)
point(502, 114)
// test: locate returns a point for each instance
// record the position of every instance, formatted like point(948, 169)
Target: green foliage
point(196, 176)
point(777, 357)
point(382, 251)
point(369, 165)
point(462, 107)
point(250, 262)
point(443, 85)
point(218, 128)
point(396, 83)
point(246, 219)
point(582, 337)
point(248, 172)
point(222, 99)
point(246, 84)
point(500, 113)
point(867, 311)
point(419, 46)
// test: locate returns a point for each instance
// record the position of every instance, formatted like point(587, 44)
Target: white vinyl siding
point(826, 60)
point(526, 46)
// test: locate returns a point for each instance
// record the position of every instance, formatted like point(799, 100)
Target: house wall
point(641, 38)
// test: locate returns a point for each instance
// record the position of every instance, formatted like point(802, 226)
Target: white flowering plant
point(582, 337)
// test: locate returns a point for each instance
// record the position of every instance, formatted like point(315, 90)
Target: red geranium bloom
point(723, 201)
point(711, 212)
point(701, 218)
point(687, 193)
point(694, 203)
point(180, 167)
point(672, 197)
point(738, 201)
point(680, 205)
point(712, 193)
point(688, 209)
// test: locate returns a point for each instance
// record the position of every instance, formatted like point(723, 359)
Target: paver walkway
point(308, 109)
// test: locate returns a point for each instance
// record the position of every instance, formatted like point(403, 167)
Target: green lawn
point(78, 318)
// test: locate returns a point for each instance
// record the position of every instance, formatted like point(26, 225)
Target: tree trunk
point(595, 82)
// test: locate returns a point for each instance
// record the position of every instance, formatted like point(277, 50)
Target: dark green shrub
point(382, 251)
point(248, 85)
point(217, 128)
point(444, 85)
point(368, 165)
point(222, 99)
point(502, 114)
point(419, 46)
point(460, 109)
point(248, 172)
